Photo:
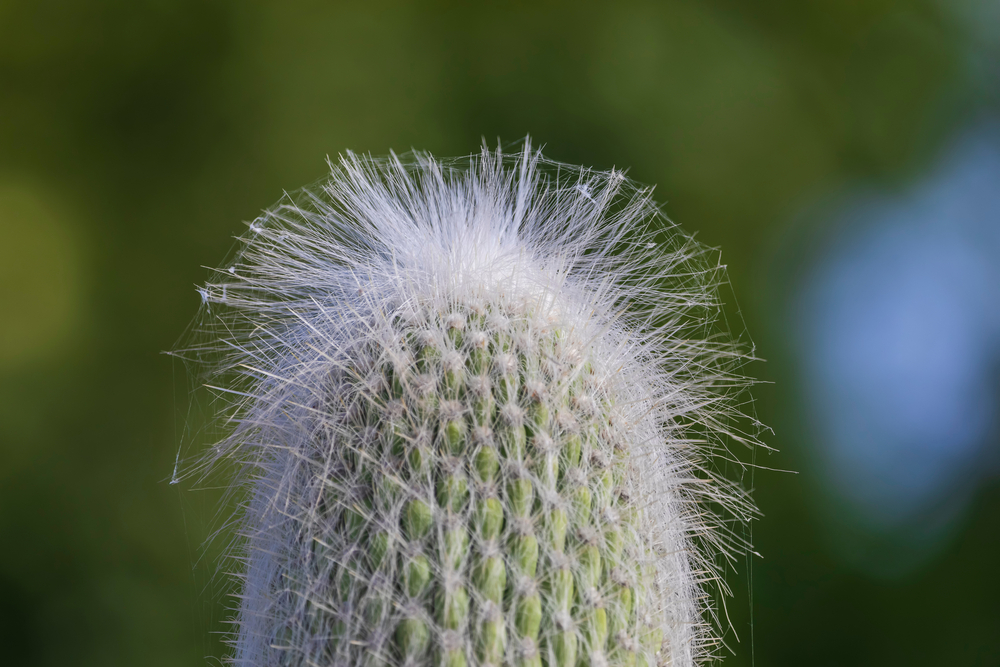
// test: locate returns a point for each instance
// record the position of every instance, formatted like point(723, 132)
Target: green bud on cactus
point(470, 406)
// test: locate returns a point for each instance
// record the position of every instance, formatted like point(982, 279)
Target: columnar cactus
point(473, 404)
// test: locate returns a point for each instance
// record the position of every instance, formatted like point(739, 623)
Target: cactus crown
point(474, 406)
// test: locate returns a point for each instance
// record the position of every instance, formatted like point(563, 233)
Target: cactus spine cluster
point(481, 497)
point(456, 452)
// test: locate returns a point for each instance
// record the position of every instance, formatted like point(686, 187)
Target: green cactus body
point(470, 409)
point(506, 539)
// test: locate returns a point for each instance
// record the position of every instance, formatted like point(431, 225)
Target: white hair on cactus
point(571, 280)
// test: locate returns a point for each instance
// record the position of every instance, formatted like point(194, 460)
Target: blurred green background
point(841, 153)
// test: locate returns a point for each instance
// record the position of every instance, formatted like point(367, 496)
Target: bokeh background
point(843, 154)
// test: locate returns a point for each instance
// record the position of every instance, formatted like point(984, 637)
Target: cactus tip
point(471, 402)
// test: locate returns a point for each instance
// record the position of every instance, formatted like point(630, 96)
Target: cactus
point(471, 418)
